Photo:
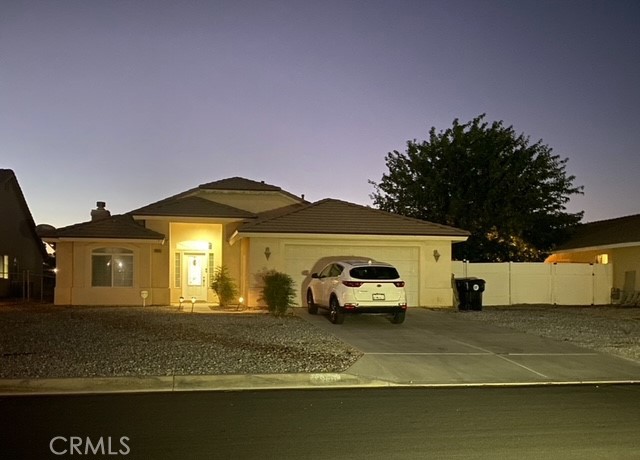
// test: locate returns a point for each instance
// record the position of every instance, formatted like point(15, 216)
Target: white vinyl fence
point(512, 283)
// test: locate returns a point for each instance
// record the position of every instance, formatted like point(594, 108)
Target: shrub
point(277, 292)
point(224, 286)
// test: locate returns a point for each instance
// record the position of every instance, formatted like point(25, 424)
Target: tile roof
point(240, 184)
point(121, 226)
point(332, 216)
point(191, 206)
point(604, 233)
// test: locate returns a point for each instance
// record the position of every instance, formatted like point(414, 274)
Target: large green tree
point(484, 178)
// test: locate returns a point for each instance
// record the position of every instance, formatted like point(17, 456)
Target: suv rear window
point(374, 273)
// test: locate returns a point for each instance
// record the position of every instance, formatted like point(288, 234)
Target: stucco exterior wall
point(433, 278)
point(625, 260)
point(184, 238)
point(73, 287)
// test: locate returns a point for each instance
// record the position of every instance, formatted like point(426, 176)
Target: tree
point(510, 194)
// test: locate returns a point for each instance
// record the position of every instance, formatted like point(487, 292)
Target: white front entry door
point(195, 273)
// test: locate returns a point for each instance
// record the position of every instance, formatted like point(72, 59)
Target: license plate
point(378, 296)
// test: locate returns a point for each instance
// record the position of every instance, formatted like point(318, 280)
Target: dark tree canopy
point(484, 178)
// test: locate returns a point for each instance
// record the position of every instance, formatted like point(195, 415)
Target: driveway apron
point(434, 347)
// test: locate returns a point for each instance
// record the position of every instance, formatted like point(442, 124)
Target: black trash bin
point(470, 293)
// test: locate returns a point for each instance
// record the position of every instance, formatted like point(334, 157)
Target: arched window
point(112, 267)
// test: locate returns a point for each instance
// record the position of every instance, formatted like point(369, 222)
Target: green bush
point(277, 292)
point(224, 286)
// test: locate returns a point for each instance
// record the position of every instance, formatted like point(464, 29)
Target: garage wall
point(428, 282)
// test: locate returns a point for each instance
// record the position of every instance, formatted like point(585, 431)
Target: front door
point(195, 272)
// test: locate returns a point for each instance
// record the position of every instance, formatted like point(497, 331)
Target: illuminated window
point(602, 259)
point(112, 267)
point(176, 268)
point(4, 267)
point(211, 270)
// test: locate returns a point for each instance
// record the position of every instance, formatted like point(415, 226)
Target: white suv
point(357, 286)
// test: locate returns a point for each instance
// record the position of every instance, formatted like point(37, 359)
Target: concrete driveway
point(434, 347)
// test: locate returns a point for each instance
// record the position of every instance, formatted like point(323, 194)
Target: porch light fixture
point(193, 302)
point(267, 252)
point(436, 254)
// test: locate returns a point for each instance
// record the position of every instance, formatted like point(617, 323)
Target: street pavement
point(431, 348)
point(542, 422)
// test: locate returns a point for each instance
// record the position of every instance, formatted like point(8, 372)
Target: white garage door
point(307, 257)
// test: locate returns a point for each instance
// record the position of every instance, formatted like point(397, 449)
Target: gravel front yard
point(609, 329)
point(41, 341)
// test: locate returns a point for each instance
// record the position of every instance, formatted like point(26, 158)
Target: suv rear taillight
point(399, 283)
point(352, 283)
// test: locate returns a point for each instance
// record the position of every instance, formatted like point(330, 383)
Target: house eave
point(340, 236)
point(598, 247)
point(191, 219)
point(103, 240)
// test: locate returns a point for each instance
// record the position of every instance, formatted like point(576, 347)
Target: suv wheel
point(335, 314)
point(312, 308)
point(398, 317)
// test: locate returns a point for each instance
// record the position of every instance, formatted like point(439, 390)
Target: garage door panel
point(301, 257)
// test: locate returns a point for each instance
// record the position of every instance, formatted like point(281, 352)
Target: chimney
point(100, 212)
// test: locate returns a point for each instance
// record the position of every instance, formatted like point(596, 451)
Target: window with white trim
point(4, 267)
point(112, 267)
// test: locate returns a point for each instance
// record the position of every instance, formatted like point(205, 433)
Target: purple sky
point(132, 101)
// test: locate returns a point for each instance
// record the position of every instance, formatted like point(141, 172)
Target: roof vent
point(100, 212)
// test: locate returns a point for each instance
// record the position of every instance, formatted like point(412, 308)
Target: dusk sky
point(132, 101)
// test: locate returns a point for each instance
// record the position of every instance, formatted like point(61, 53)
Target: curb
point(184, 383)
point(239, 382)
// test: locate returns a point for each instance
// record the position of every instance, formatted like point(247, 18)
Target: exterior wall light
point(267, 252)
point(144, 295)
point(436, 255)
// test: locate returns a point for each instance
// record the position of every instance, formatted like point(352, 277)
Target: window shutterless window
point(4, 267)
point(112, 267)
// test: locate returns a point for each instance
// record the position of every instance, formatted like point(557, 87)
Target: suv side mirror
point(314, 275)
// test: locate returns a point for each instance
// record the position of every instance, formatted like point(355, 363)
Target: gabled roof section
point(191, 206)
point(8, 179)
point(622, 230)
point(117, 227)
point(240, 184)
point(332, 216)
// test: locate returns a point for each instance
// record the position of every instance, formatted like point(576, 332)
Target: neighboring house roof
point(191, 206)
point(117, 227)
point(332, 216)
point(612, 232)
point(9, 179)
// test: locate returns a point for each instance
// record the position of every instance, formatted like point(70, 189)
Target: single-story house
point(170, 248)
point(612, 241)
point(22, 253)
